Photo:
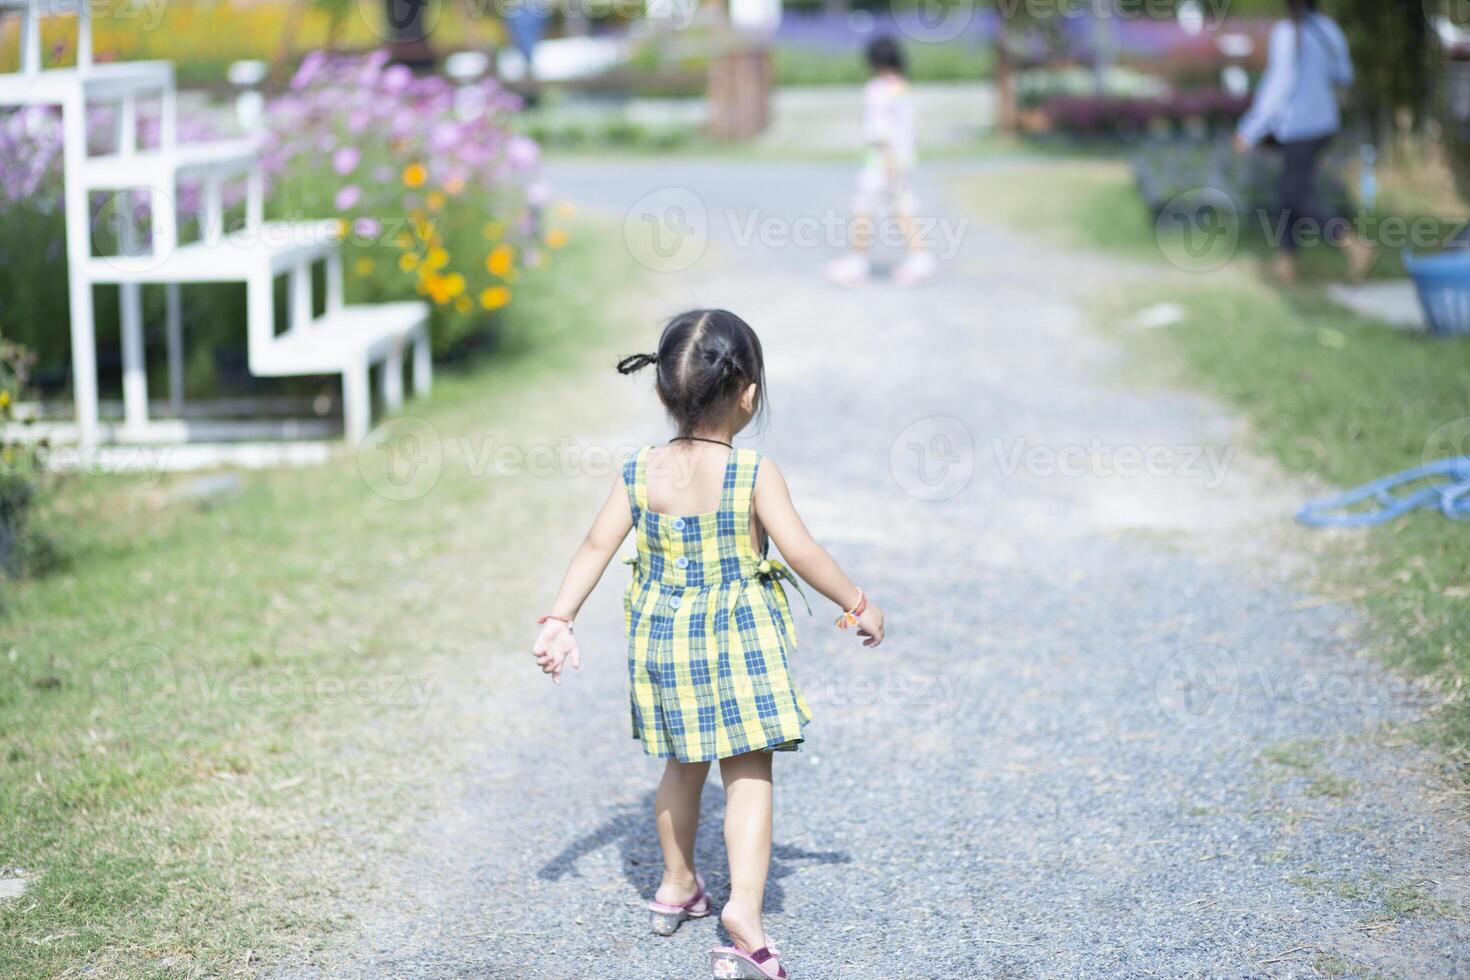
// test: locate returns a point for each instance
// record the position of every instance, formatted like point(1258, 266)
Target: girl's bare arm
point(556, 644)
point(777, 514)
point(603, 539)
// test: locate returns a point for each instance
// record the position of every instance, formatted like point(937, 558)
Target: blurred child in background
point(883, 185)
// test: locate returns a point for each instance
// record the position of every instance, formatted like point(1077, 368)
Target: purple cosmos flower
point(345, 160)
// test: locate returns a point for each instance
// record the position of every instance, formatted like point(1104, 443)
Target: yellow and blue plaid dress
point(709, 628)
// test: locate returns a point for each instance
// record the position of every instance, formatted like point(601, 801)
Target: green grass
point(1292, 755)
point(1337, 965)
point(1389, 901)
point(1085, 197)
point(178, 721)
point(1336, 396)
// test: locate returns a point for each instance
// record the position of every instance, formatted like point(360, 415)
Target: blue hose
point(1451, 497)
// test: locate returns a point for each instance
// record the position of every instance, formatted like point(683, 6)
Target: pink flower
point(348, 197)
point(523, 152)
point(366, 228)
point(344, 161)
point(396, 78)
point(311, 67)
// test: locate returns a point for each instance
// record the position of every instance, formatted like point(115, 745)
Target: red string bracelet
point(571, 627)
point(850, 617)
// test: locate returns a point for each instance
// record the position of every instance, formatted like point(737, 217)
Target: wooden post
point(740, 76)
point(1006, 114)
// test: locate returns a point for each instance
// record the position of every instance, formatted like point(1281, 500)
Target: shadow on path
point(631, 828)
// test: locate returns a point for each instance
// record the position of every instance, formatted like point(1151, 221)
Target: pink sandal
point(731, 963)
point(667, 918)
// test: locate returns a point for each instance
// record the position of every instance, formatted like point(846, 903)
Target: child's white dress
point(888, 131)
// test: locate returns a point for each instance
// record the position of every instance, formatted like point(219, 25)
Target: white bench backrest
point(31, 14)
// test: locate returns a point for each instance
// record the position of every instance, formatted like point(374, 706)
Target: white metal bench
point(344, 340)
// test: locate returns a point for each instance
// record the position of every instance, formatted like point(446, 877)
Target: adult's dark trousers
point(1304, 217)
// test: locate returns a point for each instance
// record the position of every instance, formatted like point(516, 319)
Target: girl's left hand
point(555, 646)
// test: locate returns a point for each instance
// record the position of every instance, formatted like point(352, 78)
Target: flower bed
point(1198, 112)
point(435, 201)
point(437, 196)
point(21, 549)
point(203, 37)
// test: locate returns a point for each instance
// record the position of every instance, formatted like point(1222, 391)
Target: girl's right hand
point(870, 625)
point(556, 645)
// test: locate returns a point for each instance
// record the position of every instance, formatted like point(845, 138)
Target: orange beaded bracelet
point(850, 616)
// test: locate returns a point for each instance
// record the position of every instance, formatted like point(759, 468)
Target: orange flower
point(501, 260)
point(415, 174)
point(454, 185)
point(408, 262)
point(437, 258)
point(556, 238)
point(435, 200)
point(495, 297)
point(454, 284)
point(565, 209)
point(438, 289)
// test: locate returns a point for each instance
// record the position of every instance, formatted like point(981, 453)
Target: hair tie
point(636, 362)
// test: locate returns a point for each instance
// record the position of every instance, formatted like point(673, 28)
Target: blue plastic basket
point(1444, 289)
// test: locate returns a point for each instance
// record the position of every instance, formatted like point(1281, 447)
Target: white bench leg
point(357, 404)
point(393, 380)
point(423, 364)
point(135, 374)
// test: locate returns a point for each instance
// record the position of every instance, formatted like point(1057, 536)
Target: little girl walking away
point(710, 634)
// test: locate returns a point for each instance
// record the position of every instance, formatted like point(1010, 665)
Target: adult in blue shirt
point(1296, 109)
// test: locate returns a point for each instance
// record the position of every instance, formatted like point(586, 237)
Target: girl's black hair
point(1298, 9)
point(705, 360)
point(884, 54)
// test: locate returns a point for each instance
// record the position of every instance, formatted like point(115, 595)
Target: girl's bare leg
point(863, 230)
point(748, 796)
point(676, 812)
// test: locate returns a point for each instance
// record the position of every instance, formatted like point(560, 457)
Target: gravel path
point(1112, 732)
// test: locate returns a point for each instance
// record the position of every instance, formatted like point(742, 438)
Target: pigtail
point(636, 362)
